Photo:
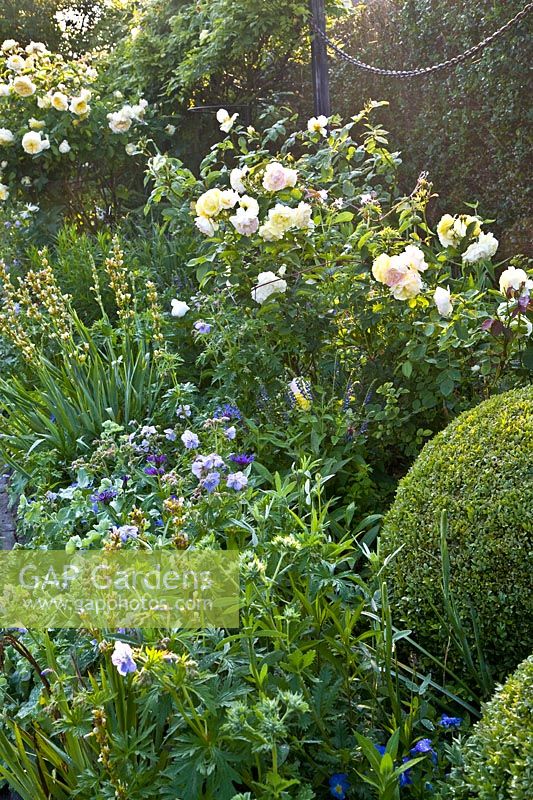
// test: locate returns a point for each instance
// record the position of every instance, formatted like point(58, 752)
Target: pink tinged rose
point(206, 225)
point(408, 285)
point(244, 223)
point(278, 177)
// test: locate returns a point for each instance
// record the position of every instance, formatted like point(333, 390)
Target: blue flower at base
point(339, 785)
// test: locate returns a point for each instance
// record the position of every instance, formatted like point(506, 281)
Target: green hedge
point(480, 469)
point(498, 757)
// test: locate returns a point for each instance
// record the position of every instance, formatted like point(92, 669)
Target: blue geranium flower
point(339, 785)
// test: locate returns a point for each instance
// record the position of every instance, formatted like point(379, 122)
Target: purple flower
point(237, 481)
point(213, 461)
point(190, 440)
point(229, 411)
point(122, 658)
point(105, 496)
point(211, 481)
point(450, 722)
point(158, 460)
point(339, 785)
point(242, 459)
point(202, 327)
point(197, 467)
point(127, 532)
point(230, 433)
point(170, 434)
point(152, 471)
point(183, 411)
point(125, 481)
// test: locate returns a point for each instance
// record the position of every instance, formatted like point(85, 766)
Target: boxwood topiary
point(480, 468)
point(498, 757)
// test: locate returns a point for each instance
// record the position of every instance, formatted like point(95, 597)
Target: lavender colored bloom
point(213, 461)
point(122, 658)
point(148, 430)
point(211, 481)
point(237, 481)
point(197, 467)
point(152, 471)
point(51, 496)
point(450, 722)
point(242, 459)
point(190, 440)
point(202, 327)
point(183, 411)
point(230, 433)
point(170, 434)
point(127, 532)
point(47, 671)
point(125, 481)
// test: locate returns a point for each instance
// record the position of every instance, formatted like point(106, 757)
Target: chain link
point(410, 73)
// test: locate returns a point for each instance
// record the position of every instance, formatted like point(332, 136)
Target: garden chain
point(410, 73)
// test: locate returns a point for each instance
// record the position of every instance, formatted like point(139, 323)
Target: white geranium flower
point(179, 308)
point(484, 247)
point(226, 120)
point(6, 137)
point(4, 192)
point(64, 147)
point(268, 284)
point(23, 86)
point(443, 301)
point(318, 125)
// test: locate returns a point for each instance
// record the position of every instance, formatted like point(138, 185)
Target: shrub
point(479, 469)
point(498, 757)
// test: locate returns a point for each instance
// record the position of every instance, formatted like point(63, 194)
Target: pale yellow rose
point(59, 101)
point(32, 143)
point(36, 124)
point(445, 230)
point(281, 217)
point(209, 204)
point(4, 191)
point(16, 63)
point(23, 86)
point(80, 105)
point(381, 267)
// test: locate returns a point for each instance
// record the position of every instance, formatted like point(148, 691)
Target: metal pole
point(319, 61)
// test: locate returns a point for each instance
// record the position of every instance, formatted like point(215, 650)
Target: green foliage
point(467, 126)
point(479, 471)
point(496, 761)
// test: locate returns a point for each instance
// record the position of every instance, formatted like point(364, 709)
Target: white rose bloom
point(235, 178)
point(36, 124)
point(302, 216)
point(4, 191)
point(36, 47)
point(513, 278)
point(59, 101)
point(226, 121)
point(268, 284)
point(64, 147)
point(32, 143)
point(228, 198)
point(278, 177)
point(45, 101)
point(6, 136)
point(137, 111)
point(461, 224)
point(8, 44)
point(415, 258)
point(23, 86)
point(484, 247)
point(318, 125)
point(250, 205)
point(270, 233)
point(131, 149)
point(16, 63)
point(4, 89)
point(170, 129)
point(206, 225)
point(179, 308)
point(25, 181)
point(80, 105)
point(244, 223)
point(443, 301)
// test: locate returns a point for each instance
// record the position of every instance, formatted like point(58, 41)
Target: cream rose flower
point(36, 47)
point(278, 177)
point(445, 230)
point(443, 301)
point(4, 89)
point(59, 101)
point(270, 233)
point(170, 129)
point(244, 223)
point(120, 121)
point(301, 216)
point(209, 204)
point(281, 217)
point(4, 192)
point(6, 137)
point(23, 86)
point(36, 124)
point(415, 258)
point(249, 205)
point(228, 198)
point(80, 105)
point(235, 178)
point(381, 267)
point(64, 147)
point(514, 280)
point(33, 144)
point(45, 101)
point(225, 120)
point(8, 44)
point(179, 308)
